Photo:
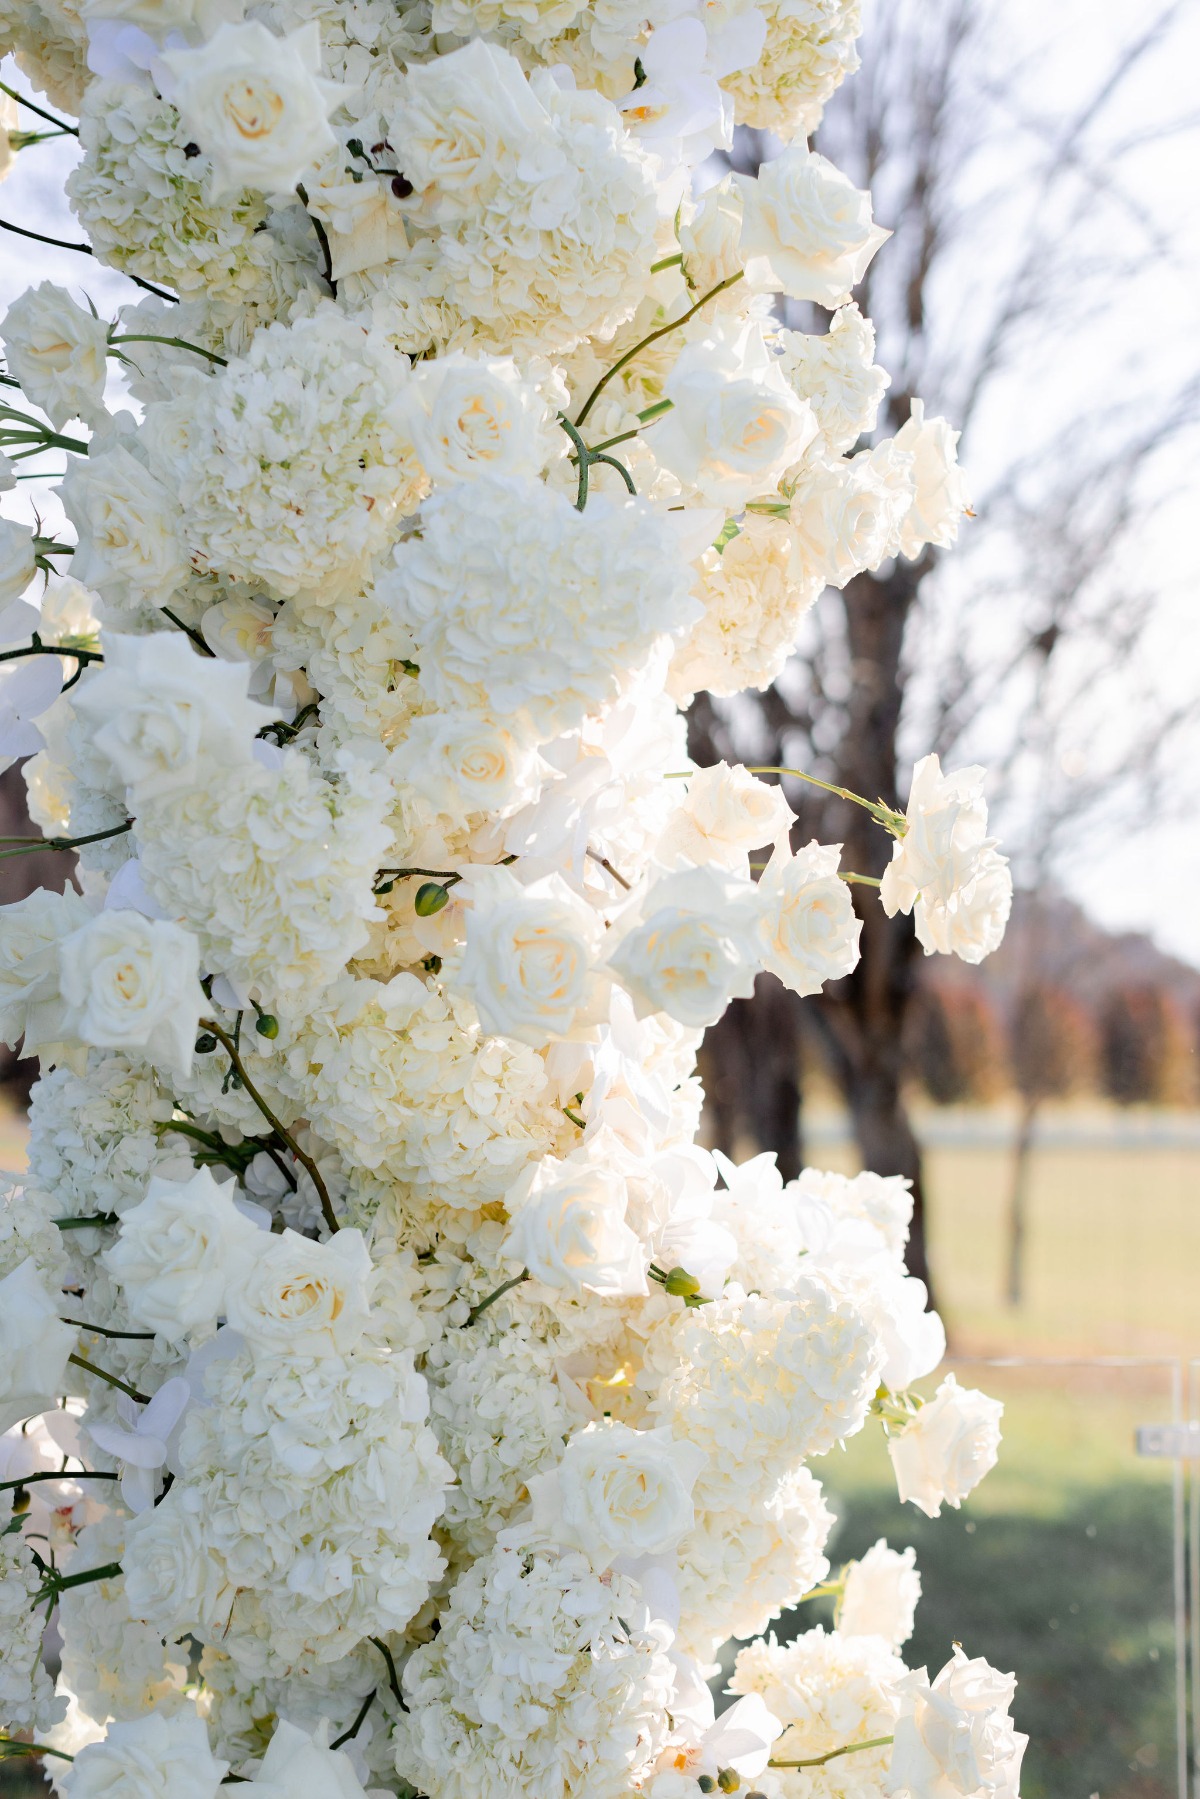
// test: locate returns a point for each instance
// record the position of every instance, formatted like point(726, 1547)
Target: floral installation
point(396, 1398)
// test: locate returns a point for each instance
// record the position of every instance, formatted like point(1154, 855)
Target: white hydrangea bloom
point(760, 1381)
point(828, 1691)
point(27, 1698)
point(530, 613)
point(293, 470)
point(545, 1678)
point(755, 592)
point(113, 1666)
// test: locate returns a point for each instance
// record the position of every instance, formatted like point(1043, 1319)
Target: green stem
point(505, 1287)
point(92, 1221)
point(357, 1725)
point(608, 868)
point(644, 418)
point(667, 262)
point(188, 631)
point(29, 844)
point(12, 1745)
point(178, 343)
point(281, 1130)
point(576, 1119)
point(861, 880)
point(894, 821)
point(32, 106)
point(599, 456)
point(102, 1330)
point(583, 456)
point(663, 331)
point(393, 1677)
point(56, 1583)
point(51, 649)
point(818, 1761)
point(122, 1386)
point(30, 1480)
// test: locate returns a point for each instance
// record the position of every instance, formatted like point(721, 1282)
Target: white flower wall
point(396, 1398)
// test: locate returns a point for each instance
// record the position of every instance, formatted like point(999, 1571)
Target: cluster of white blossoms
point(395, 1398)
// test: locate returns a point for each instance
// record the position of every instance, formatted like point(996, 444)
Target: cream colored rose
point(568, 1228)
point(807, 230)
point(710, 242)
point(165, 717)
point(34, 1346)
point(178, 1252)
point(617, 1492)
point(256, 104)
point(944, 840)
point(463, 764)
point(465, 415)
point(530, 962)
point(58, 351)
point(133, 983)
point(808, 931)
point(735, 424)
point(690, 946)
point(173, 1578)
point(945, 1451)
point(302, 1297)
point(972, 924)
point(726, 814)
point(847, 516)
point(955, 1737)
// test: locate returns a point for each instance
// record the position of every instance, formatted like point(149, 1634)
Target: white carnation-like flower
point(726, 814)
point(808, 932)
point(879, 1595)
point(58, 351)
point(955, 1735)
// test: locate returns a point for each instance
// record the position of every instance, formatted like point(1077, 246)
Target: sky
point(1147, 878)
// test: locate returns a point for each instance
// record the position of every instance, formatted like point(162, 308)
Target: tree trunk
point(1018, 1204)
point(750, 1064)
point(864, 1015)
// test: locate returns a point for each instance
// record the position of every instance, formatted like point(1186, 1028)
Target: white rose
point(940, 499)
point(735, 424)
point(972, 924)
point(256, 104)
point(31, 931)
point(165, 717)
point(691, 946)
point(133, 983)
point(465, 416)
point(808, 931)
point(298, 1765)
point(146, 1758)
point(567, 1225)
point(58, 351)
point(710, 239)
point(945, 1451)
point(463, 764)
point(173, 1580)
point(128, 528)
point(304, 1298)
point(34, 1346)
point(945, 842)
point(847, 515)
point(806, 229)
point(617, 1492)
point(529, 961)
point(239, 630)
point(880, 1594)
point(956, 1738)
point(18, 560)
point(726, 814)
point(176, 1253)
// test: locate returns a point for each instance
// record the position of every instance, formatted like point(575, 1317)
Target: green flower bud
point(205, 1044)
point(266, 1025)
point(682, 1285)
point(430, 899)
point(706, 1783)
point(729, 1780)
